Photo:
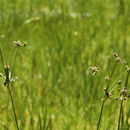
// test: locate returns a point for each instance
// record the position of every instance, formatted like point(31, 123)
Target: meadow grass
point(56, 89)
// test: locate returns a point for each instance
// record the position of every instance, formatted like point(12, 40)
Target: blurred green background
point(55, 89)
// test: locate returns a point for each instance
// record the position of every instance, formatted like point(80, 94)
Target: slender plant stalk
point(7, 83)
point(102, 107)
point(122, 116)
point(45, 119)
point(12, 65)
point(121, 106)
point(40, 122)
point(8, 75)
point(1, 55)
point(101, 114)
point(127, 78)
point(1, 9)
point(11, 98)
point(111, 76)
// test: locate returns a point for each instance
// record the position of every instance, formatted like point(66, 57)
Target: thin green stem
point(114, 86)
point(2, 59)
point(127, 78)
point(7, 84)
point(111, 76)
point(113, 89)
point(40, 123)
point(11, 98)
point(7, 81)
point(12, 65)
point(125, 85)
point(121, 105)
point(45, 119)
point(100, 116)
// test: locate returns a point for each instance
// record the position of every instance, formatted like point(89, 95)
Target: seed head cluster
point(7, 77)
point(19, 43)
point(94, 70)
point(119, 82)
point(123, 92)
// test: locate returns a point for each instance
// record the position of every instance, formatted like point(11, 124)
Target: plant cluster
point(121, 87)
point(7, 77)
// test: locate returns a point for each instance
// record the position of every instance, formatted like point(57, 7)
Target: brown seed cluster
point(94, 69)
point(120, 98)
point(7, 77)
point(127, 68)
point(115, 54)
point(119, 82)
point(118, 59)
point(109, 93)
point(124, 94)
point(19, 43)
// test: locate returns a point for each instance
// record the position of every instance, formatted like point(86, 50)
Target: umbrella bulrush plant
point(124, 93)
point(7, 77)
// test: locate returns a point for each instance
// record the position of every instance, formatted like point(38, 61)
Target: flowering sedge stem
point(121, 116)
point(7, 82)
point(105, 96)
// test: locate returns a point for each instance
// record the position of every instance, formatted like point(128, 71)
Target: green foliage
point(55, 89)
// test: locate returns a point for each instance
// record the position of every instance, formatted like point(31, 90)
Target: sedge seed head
point(119, 82)
point(17, 43)
point(6, 67)
point(94, 69)
point(124, 92)
point(115, 54)
point(121, 98)
point(127, 68)
point(118, 59)
point(25, 43)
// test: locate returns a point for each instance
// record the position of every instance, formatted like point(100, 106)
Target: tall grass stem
point(100, 116)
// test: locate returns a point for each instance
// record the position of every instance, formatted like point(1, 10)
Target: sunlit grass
point(65, 38)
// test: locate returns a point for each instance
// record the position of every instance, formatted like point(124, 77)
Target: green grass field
point(56, 90)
